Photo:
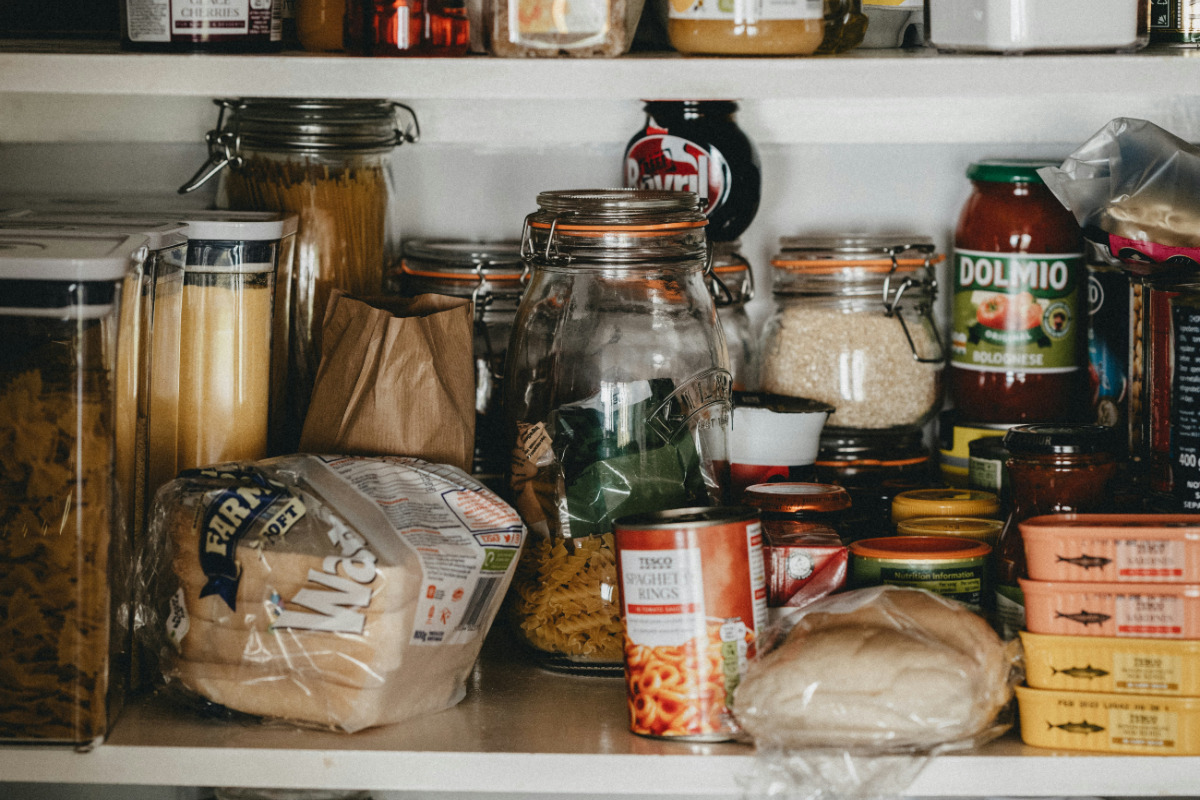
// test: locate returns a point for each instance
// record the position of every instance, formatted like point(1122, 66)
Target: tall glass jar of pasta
point(327, 161)
point(618, 396)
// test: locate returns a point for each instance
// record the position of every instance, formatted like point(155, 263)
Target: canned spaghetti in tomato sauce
point(693, 602)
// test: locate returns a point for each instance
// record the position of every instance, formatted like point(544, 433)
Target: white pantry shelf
point(524, 731)
point(101, 68)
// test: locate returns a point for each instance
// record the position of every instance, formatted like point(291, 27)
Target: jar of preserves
point(732, 284)
point(618, 390)
point(160, 25)
point(490, 273)
point(1054, 469)
point(326, 161)
point(1018, 347)
point(789, 28)
point(697, 146)
point(853, 327)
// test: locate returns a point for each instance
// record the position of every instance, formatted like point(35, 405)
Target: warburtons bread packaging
point(342, 592)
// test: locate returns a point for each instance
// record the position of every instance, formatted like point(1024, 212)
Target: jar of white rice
point(853, 327)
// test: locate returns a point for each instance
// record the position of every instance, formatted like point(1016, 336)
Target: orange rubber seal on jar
point(600, 230)
point(825, 265)
point(874, 462)
point(458, 276)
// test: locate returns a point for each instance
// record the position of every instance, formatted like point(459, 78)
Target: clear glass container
point(326, 161)
point(795, 28)
point(583, 28)
point(1038, 26)
point(492, 275)
point(732, 284)
point(619, 395)
point(65, 565)
point(853, 327)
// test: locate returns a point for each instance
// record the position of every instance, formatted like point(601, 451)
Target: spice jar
point(328, 162)
point(64, 552)
point(618, 390)
point(853, 327)
point(1054, 469)
point(805, 557)
point(490, 273)
point(697, 146)
point(1018, 347)
point(782, 29)
point(732, 284)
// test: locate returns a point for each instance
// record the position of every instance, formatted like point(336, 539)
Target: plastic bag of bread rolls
point(339, 592)
point(879, 670)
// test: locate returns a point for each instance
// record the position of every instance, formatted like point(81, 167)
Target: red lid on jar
point(919, 548)
point(793, 498)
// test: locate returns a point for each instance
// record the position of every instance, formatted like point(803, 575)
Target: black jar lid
point(1052, 439)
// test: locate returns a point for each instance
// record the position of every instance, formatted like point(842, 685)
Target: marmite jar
point(618, 392)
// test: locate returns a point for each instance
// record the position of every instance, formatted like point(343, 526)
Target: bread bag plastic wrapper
point(339, 592)
point(1135, 190)
point(855, 693)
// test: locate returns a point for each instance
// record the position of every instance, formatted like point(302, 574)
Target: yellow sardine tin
point(1110, 723)
point(1110, 664)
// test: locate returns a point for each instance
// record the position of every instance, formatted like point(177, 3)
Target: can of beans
point(693, 602)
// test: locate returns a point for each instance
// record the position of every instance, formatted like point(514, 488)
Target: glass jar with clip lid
point(853, 327)
point(618, 391)
point(493, 276)
point(327, 161)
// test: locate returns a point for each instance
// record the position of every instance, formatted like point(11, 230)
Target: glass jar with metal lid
point(328, 162)
point(732, 285)
point(1054, 469)
point(492, 275)
point(853, 327)
point(617, 387)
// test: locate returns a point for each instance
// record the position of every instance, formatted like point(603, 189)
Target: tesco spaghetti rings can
point(693, 602)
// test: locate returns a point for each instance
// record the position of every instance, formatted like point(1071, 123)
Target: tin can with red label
point(693, 602)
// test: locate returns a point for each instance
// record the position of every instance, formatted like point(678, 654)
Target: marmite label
point(663, 161)
point(1016, 311)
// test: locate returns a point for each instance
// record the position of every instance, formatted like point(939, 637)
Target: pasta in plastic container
point(337, 592)
point(868, 684)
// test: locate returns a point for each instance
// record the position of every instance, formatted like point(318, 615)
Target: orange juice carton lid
point(1123, 548)
point(1146, 610)
point(1110, 723)
point(1112, 664)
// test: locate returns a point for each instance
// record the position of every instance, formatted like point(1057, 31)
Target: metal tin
point(944, 503)
point(953, 568)
point(955, 437)
point(974, 528)
point(693, 602)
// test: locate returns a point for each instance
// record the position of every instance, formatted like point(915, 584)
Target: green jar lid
point(1009, 170)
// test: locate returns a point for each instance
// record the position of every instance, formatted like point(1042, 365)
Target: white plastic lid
point(51, 255)
point(159, 235)
point(200, 224)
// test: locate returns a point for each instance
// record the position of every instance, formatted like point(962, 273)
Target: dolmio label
point(659, 160)
point(1016, 311)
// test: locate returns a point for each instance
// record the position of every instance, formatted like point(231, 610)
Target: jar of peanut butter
point(783, 28)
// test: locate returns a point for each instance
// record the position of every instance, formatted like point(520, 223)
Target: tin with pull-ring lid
point(618, 393)
point(327, 161)
point(853, 327)
point(491, 274)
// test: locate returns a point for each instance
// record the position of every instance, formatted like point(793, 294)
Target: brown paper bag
point(397, 377)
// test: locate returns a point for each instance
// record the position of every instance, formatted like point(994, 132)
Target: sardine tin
point(1112, 664)
point(1126, 610)
point(1123, 548)
point(1110, 723)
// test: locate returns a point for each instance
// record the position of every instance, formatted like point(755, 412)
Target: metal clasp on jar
point(891, 298)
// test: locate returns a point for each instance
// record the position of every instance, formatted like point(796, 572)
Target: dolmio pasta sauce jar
point(1018, 346)
point(693, 602)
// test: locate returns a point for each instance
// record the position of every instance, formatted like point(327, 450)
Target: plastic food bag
point(868, 684)
point(339, 592)
point(1135, 190)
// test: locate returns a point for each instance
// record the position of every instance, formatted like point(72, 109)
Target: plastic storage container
point(618, 390)
point(1102, 664)
point(64, 548)
point(853, 327)
point(774, 438)
point(491, 274)
point(1027, 26)
point(1126, 548)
